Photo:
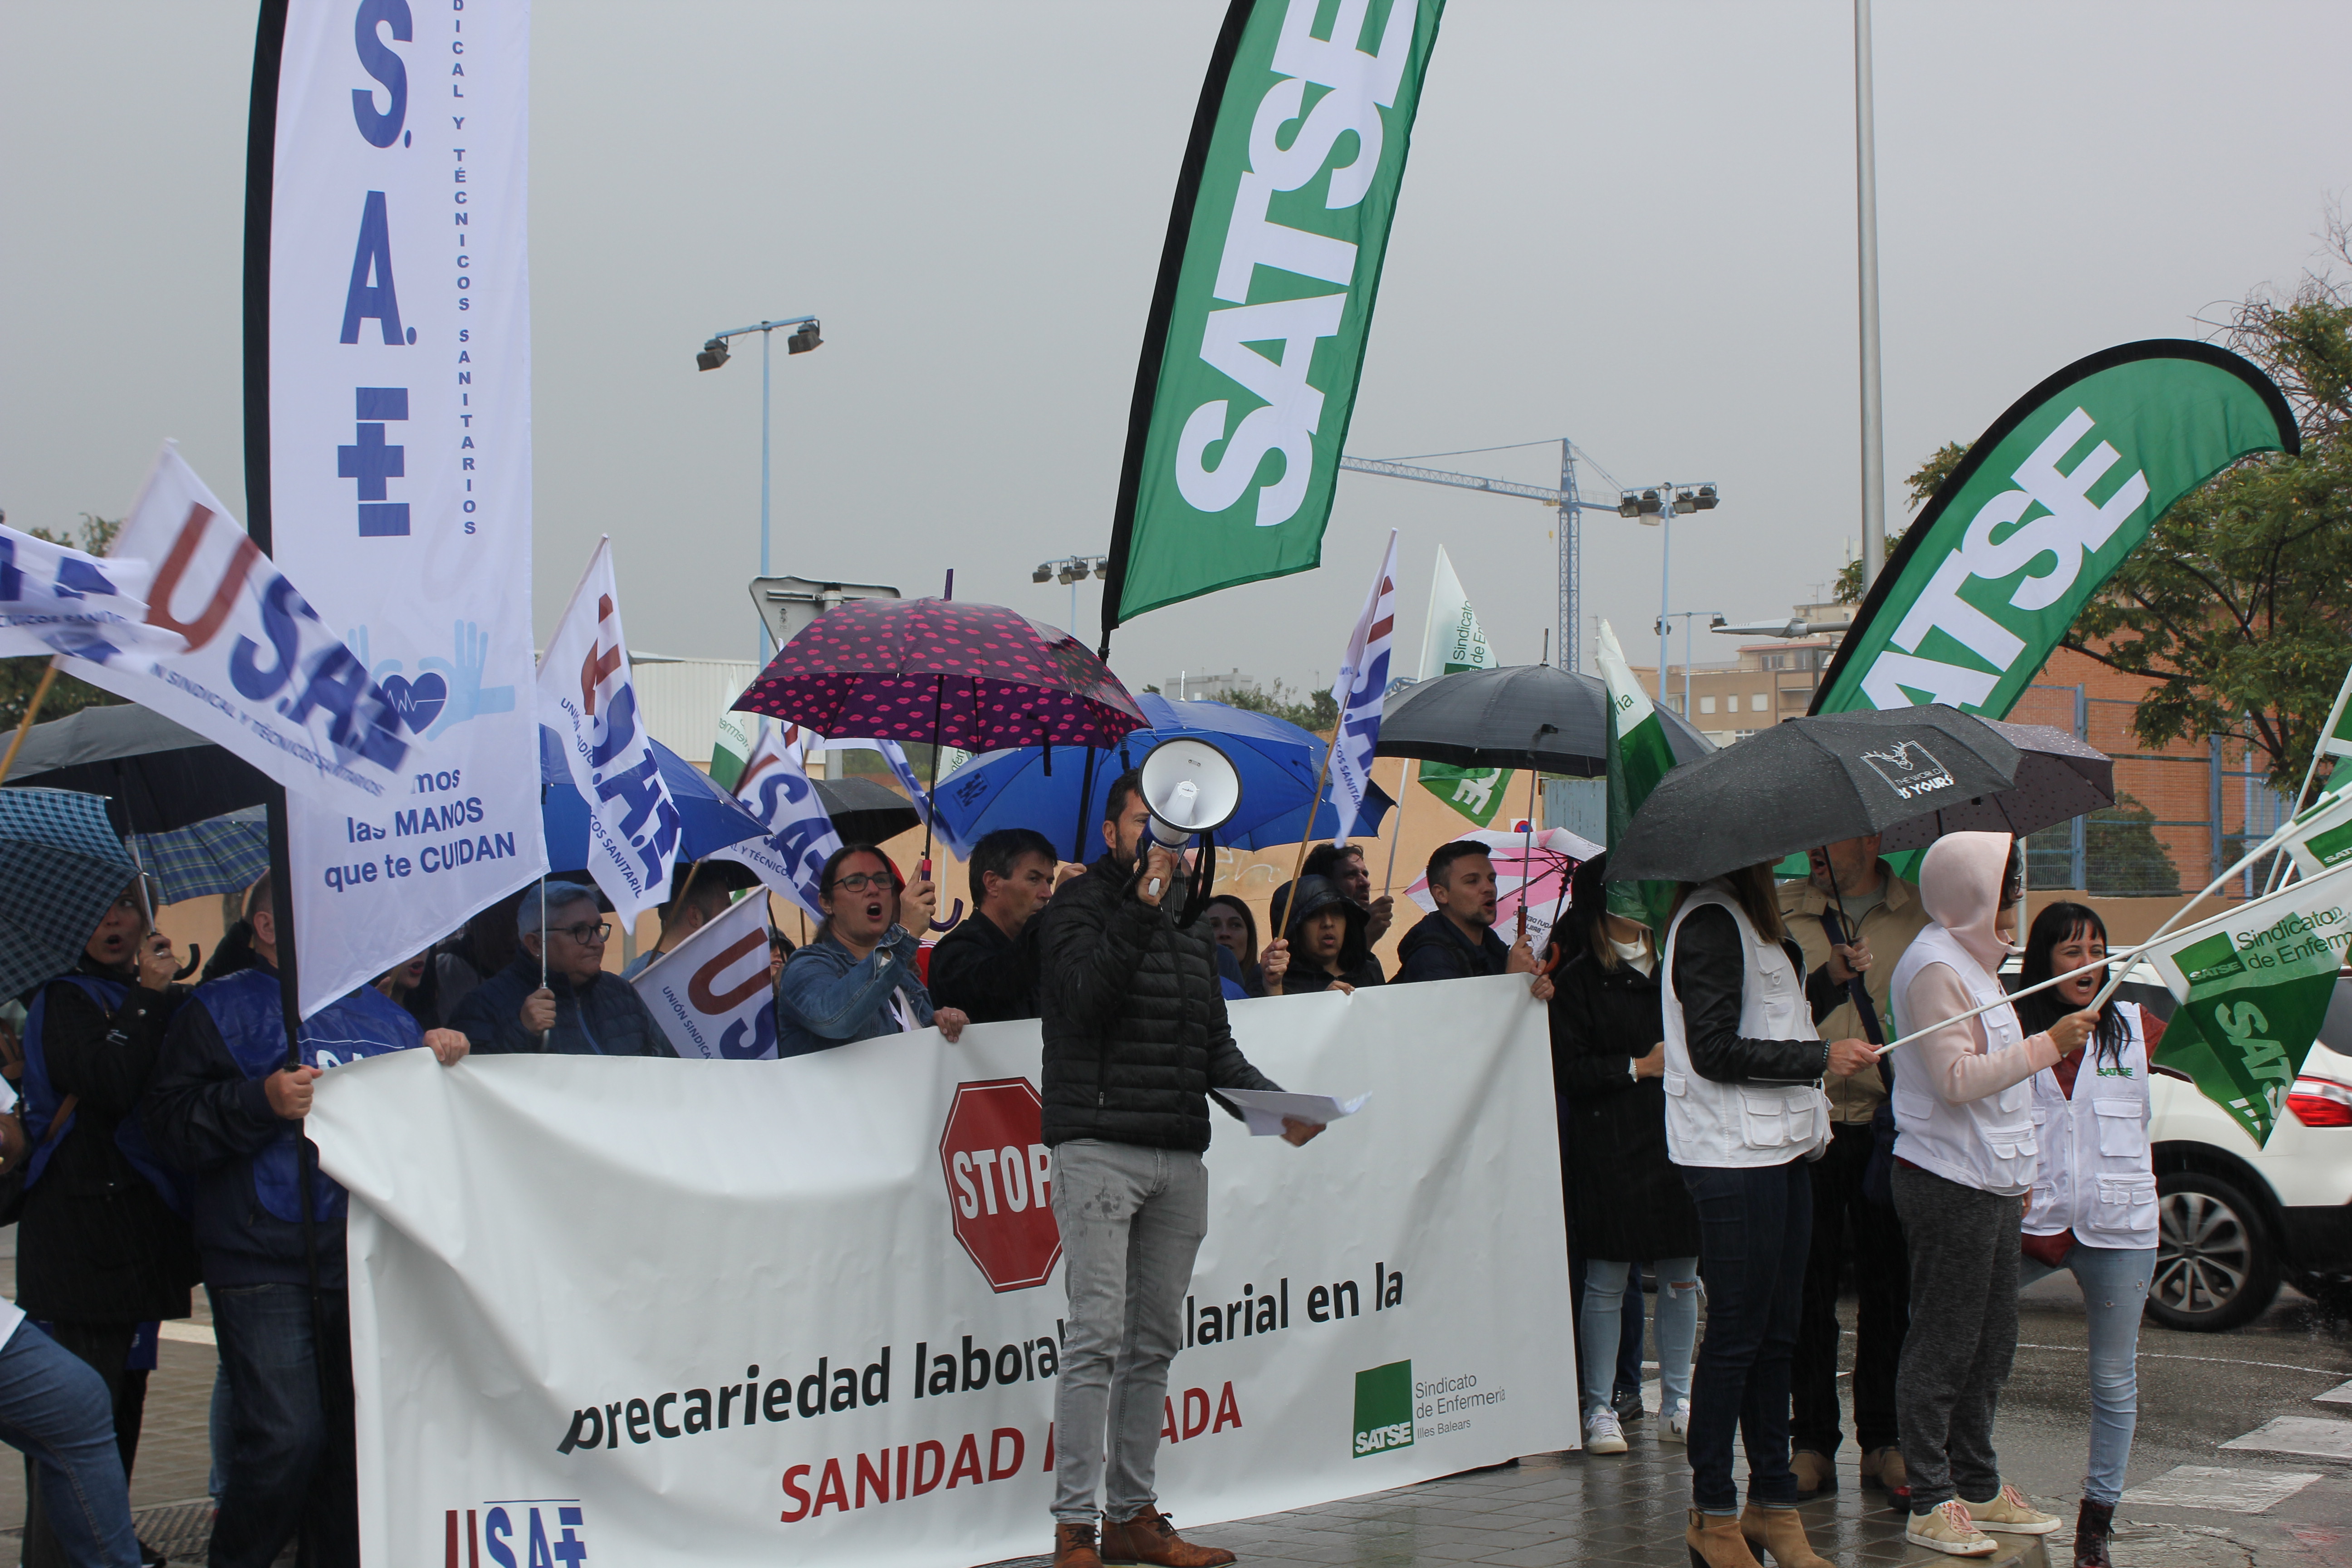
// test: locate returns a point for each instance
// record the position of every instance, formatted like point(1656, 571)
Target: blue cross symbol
point(371, 461)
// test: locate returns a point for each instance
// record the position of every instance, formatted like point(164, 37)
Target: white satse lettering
point(1286, 423)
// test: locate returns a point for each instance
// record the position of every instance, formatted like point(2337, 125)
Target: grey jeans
point(1131, 1220)
point(1963, 1334)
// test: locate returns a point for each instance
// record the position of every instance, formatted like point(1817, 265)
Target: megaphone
point(1191, 787)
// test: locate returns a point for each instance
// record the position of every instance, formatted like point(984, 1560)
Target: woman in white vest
point(1965, 1154)
point(2093, 1207)
point(1745, 1113)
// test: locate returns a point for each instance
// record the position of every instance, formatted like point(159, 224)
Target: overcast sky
point(1629, 222)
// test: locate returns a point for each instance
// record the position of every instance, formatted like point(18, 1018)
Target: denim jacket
point(830, 998)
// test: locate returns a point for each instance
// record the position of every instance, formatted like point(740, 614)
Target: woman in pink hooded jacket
point(1965, 1156)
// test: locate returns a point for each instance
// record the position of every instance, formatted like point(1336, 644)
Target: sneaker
point(1627, 1404)
point(1674, 1425)
point(2009, 1512)
point(1946, 1529)
point(1604, 1434)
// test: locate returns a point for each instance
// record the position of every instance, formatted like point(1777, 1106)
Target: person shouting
point(1325, 946)
point(856, 977)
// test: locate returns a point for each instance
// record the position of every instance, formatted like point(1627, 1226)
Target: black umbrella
point(2059, 778)
point(863, 812)
point(156, 776)
point(1809, 782)
point(1490, 719)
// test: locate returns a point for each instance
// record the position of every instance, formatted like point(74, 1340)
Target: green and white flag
point(1639, 756)
point(2044, 508)
point(1258, 321)
point(2253, 986)
point(1454, 642)
point(731, 748)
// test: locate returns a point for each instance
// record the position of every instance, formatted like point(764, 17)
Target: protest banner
point(2070, 478)
point(388, 444)
point(1452, 641)
point(1264, 303)
point(588, 702)
point(240, 657)
point(848, 1356)
point(711, 993)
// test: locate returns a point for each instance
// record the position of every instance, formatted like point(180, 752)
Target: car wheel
point(2215, 1267)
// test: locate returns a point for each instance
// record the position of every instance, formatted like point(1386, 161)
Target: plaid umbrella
point(61, 868)
point(225, 854)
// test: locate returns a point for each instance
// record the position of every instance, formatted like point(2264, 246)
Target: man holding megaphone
point(1135, 1038)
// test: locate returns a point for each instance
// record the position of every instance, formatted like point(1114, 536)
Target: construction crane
point(1571, 584)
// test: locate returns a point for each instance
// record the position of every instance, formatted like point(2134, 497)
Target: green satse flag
point(2254, 988)
point(1454, 642)
point(1639, 756)
point(1264, 297)
point(2031, 525)
point(731, 750)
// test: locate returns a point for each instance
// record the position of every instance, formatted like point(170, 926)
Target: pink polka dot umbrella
point(945, 671)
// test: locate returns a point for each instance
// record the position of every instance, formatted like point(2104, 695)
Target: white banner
point(588, 702)
point(55, 599)
point(256, 671)
point(1363, 682)
point(400, 452)
point(711, 993)
point(848, 1356)
point(772, 782)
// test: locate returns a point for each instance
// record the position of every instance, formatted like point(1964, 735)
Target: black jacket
point(1434, 950)
point(1305, 978)
point(604, 1018)
point(991, 977)
point(97, 1244)
point(1710, 968)
point(1134, 1025)
point(1626, 1198)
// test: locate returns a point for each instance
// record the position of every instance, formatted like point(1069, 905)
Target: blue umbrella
point(710, 818)
point(1278, 762)
point(224, 854)
point(63, 868)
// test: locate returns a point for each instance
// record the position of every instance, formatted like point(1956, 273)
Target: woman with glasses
point(856, 977)
point(556, 997)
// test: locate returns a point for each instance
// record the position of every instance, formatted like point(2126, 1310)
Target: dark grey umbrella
point(155, 774)
point(863, 812)
point(1490, 719)
point(2059, 778)
point(1808, 782)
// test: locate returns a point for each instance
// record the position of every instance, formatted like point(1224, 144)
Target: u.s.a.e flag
point(1363, 682)
point(1258, 322)
point(769, 777)
point(1453, 642)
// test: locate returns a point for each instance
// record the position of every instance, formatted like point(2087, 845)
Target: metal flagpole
point(32, 710)
point(1873, 422)
point(2310, 770)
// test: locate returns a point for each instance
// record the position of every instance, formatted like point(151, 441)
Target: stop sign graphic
point(1000, 1182)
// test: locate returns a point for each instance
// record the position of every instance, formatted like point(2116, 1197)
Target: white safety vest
point(2096, 1178)
point(1737, 1124)
point(1987, 1143)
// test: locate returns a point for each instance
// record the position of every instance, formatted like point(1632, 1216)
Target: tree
point(1318, 711)
point(2240, 602)
point(1922, 484)
point(20, 676)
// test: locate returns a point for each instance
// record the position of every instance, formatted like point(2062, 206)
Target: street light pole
point(804, 337)
point(1873, 418)
point(1686, 616)
point(1071, 570)
point(1663, 501)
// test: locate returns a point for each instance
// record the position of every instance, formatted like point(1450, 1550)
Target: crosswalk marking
point(2312, 1435)
point(2340, 1395)
point(2229, 1490)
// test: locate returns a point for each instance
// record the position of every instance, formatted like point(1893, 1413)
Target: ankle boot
point(1779, 1532)
point(1074, 1547)
point(2093, 1524)
point(1715, 1542)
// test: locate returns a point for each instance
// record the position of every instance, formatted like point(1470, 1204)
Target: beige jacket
point(1888, 927)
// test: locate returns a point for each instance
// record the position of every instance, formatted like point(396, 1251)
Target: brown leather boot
point(1150, 1537)
point(1715, 1542)
point(2093, 1525)
point(1816, 1474)
point(1779, 1532)
point(1074, 1547)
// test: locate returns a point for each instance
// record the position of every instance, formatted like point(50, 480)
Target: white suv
point(2236, 1220)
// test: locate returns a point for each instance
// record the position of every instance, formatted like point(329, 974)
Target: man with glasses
point(567, 1005)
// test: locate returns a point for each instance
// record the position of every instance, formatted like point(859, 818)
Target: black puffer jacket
point(1627, 1200)
point(1135, 1023)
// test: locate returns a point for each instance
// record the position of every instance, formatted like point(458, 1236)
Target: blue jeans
point(56, 1409)
point(290, 1465)
point(1612, 1317)
point(1755, 1227)
point(2114, 1287)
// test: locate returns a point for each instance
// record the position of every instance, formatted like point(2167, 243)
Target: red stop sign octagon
point(1000, 1182)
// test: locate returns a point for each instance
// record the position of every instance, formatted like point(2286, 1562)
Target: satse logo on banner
point(712, 994)
point(260, 673)
point(586, 697)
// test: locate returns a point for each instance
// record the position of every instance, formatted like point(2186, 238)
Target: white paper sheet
point(1264, 1109)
